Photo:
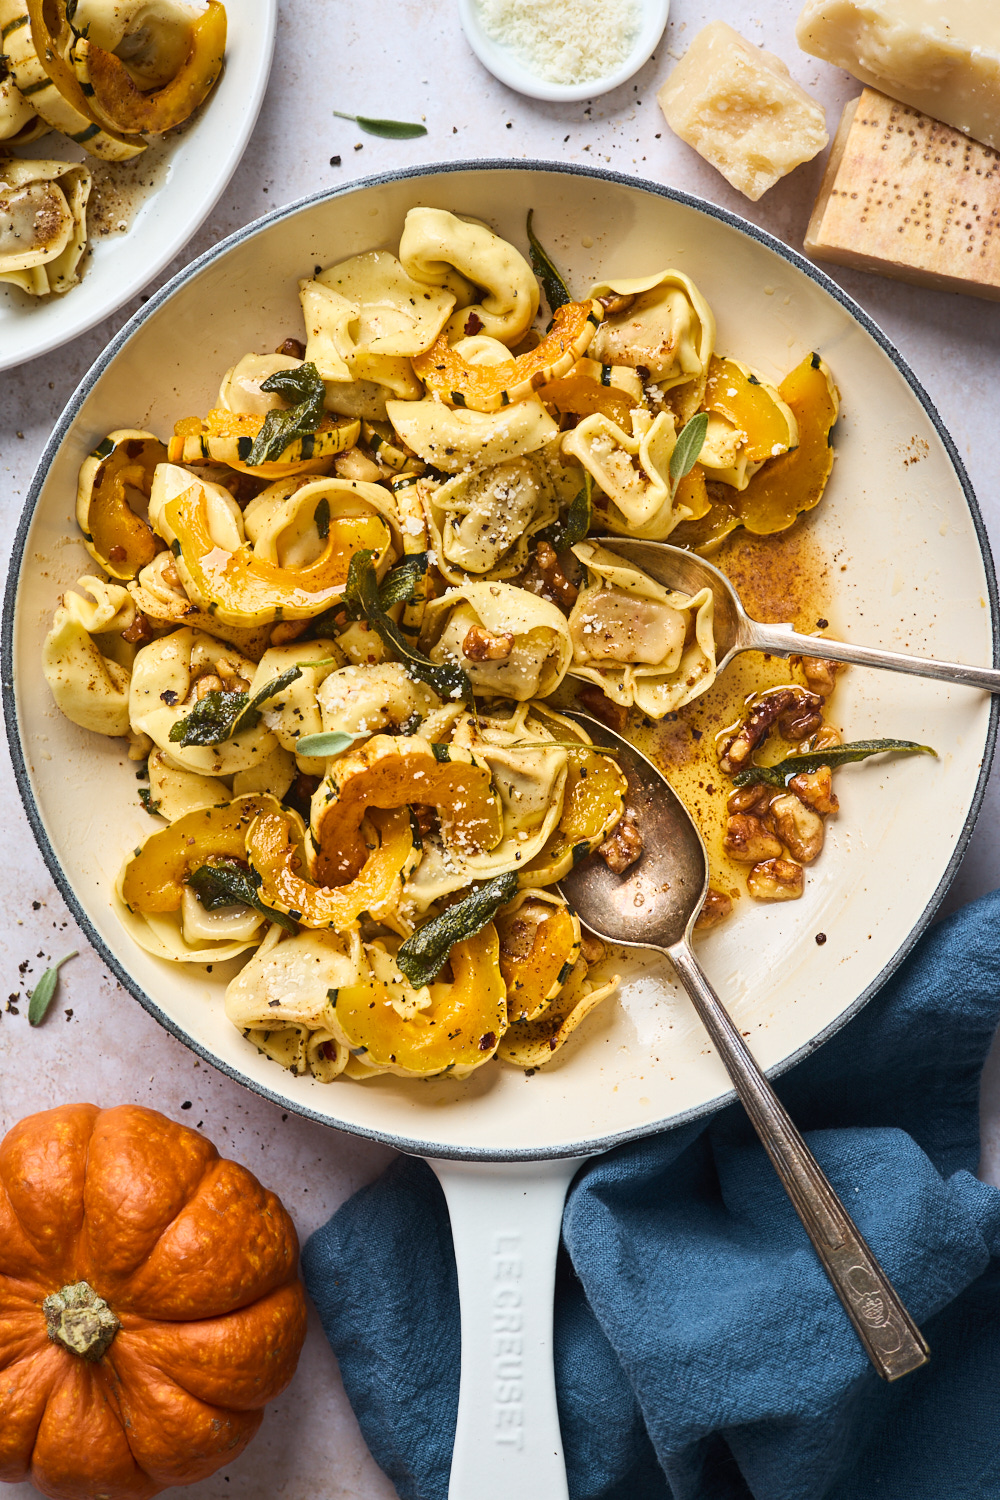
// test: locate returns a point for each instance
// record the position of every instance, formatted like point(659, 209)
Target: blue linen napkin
point(701, 1353)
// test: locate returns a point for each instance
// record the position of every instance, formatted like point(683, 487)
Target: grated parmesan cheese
point(564, 41)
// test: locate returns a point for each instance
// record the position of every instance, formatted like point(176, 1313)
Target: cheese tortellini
point(510, 643)
point(43, 224)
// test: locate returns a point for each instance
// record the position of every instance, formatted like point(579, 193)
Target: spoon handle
point(893, 1341)
point(784, 641)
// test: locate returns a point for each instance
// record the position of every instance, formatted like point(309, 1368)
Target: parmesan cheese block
point(941, 56)
point(741, 109)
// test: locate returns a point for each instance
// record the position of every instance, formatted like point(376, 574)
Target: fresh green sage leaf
point(837, 755)
point(220, 716)
point(326, 744)
point(565, 534)
point(361, 595)
point(303, 387)
point(690, 441)
point(228, 882)
point(392, 130)
point(424, 955)
point(321, 515)
point(554, 287)
point(43, 994)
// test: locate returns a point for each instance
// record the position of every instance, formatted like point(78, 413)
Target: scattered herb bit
point(566, 534)
point(304, 388)
point(690, 441)
point(392, 130)
point(837, 755)
point(42, 995)
point(228, 883)
point(555, 289)
point(326, 744)
point(221, 715)
point(335, 161)
point(361, 594)
point(423, 956)
point(146, 798)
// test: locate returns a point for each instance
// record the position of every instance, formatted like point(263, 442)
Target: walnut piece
point(293, 348)
point(614, 715)
point(140, 631)
point(820, 674)
point(480, 645)
point(748, 841)
point(798, 827)
point(815, 789)
point(560, 590)
point(776, 880)
point(623, 845)
point(716, 909)
point(287, 631)
point(615, 303)
point(591, 948)
point(750, 799)
point(205, 685)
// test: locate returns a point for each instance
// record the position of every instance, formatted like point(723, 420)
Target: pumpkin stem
point(80, 1321)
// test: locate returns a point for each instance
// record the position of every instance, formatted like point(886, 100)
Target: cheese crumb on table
point(564, 41)
point(741, 109)
point(942, 58)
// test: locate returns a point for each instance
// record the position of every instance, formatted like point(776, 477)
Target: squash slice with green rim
point(390, 771)
point(227, 437)
point(155, 875)
point(375, 888)
point(240, 588)
point(539, 945)
point(36, 57)
point(121, 106)
point(487, 388)
point(532, 1044)
point(593, 803)
point(795, 481)
point(114, 535)
point(458, 1030)
point(757, 409)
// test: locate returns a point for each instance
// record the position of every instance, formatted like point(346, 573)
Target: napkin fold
point(701, 1354)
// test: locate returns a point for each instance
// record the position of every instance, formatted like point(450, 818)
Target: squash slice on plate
point(227, 437)
point(157, 872)
point(114, 535)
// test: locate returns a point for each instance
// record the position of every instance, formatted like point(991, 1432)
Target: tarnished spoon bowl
point(736, 631)
point(655, 905)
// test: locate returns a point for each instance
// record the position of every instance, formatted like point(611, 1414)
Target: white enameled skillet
point(911, 570)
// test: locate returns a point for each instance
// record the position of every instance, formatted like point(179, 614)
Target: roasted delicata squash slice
point(399, 772)
point(748, 423)
point(43, 224)
point(386, 856)
point(593, 801)
point(510, 643)
point(441, 250)
point(36, 38)
point(488, 387)
point(632, 471)
point(223, 574)
point(156, 875)
point(121, 105)
point(592, 389)
point(159, 594)
point(449, 1026)
point(539, 947)
point(116, 537)
point(641, 643)
point(227, 437)
point(660, 325)
point(19, 124)
point(452, 439)
point(794, 482)
point(532, 1044)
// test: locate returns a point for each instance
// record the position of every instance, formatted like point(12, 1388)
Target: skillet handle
point(505, 1223)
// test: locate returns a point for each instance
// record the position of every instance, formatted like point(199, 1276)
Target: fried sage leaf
point(566, 534)
point(555, 289)
point(221, 715)
point(226, 882)
point(392, 130)
point(837, 755)
point(43, 994)
point(400, 585)
point(424, 955)
point(303, 386)
point(361, 595)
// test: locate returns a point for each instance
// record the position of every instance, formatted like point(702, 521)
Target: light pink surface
point(407, 60)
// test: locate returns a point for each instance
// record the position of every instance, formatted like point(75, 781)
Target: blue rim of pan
point(590, 1146)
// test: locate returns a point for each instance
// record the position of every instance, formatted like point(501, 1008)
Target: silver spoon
point(735, 631)
point(654, 905)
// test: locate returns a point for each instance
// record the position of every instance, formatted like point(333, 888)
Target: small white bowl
point(504, 63)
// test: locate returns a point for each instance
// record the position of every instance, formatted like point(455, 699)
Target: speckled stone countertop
point(406, 59)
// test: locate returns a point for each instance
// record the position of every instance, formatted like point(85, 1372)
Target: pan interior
point(912, 574)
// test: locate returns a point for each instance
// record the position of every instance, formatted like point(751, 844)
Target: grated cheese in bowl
point(564, 41)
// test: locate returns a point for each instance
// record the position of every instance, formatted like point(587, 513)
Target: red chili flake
point(474, 324)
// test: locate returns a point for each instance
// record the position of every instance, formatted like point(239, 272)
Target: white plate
point(192, 171)
point(918, 576)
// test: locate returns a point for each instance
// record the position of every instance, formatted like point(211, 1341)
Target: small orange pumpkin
point(150, 1304)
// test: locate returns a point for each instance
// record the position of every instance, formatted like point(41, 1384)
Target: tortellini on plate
point(665, 327)
point(641, 643)
point(632, 472)
point(441, 250)
point(86, 663)
point(453, 439)
point(511, 643)
point(43, 224)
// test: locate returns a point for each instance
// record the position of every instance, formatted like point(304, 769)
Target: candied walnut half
point(591, 948)
point(480, 645)
point(748, 841)
point(815, 789)
point(820, 674)
point(715, 909)
point(798, 827)
point(776, 880)
point(750, 799)
point(615, 303)
point(287, 631)
point(559, 587)
point(623, 845)
point(293, 348)
point(140, 631)
point(593, 700)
